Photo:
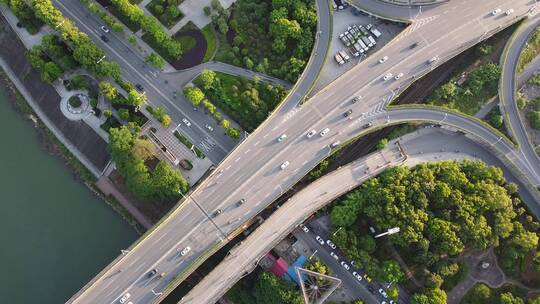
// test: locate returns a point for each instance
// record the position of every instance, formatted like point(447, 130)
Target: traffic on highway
point(278, 154)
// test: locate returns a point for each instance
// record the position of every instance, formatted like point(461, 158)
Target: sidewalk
point(106, 186)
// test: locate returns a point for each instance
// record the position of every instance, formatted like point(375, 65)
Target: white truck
point(338, 59)
point(372, 40)
point(344, 55)
point(375, 32)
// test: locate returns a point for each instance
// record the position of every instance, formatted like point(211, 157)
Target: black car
point(104, 38)
point(368, 125)
point(152, 272)
point(139, 87)
point(217, 212)
point(349, 112)
point(355, 99)
point(241, 202)
point(371, 289)
point(413, 45)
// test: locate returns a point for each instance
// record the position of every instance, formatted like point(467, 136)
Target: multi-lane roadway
point(425, 145)
point(253, 172)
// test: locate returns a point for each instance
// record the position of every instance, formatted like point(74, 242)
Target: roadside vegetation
point(25, 14)
point(481, 84)
point(532, 49)
point(95, 9)
point(135, 160)
point(248, 102)
point(265, 289)
point(154, 34)
point(166, 11)
point(268, 36)
point(442, 209)
point(507, 294)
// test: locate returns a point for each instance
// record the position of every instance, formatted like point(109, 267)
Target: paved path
point(107, 187)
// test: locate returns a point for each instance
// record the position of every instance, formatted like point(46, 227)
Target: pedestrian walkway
point(193, 11)
point(106, 186)
point(27, 39)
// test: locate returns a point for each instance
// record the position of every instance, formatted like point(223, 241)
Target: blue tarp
point(291, 272)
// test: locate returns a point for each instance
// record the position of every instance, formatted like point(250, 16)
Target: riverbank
point(53, 146)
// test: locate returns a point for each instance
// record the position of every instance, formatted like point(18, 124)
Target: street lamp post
point(101, 59)
point(388, 232)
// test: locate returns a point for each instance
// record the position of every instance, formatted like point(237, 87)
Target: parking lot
point(342, 20)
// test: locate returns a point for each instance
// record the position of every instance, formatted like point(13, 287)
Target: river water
point(55, 235)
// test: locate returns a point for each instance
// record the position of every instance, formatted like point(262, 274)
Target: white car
point(383, 293)
point(334, 144)
point(284, 165)
point(324, 131)
point(398, 76)
point(105, 29)
point(306, 229)
point(319, 239)
point(509, 12)
point(357, 276)
point(387, 76)
point(124, 298)
point(209, 127)
point(311, 133)
point(345, 265)
point(331, 244)
point(332, 254)
point(434, 59)
point(282, 137)
point(382, 60)
point(185, 251)
point(496, 11)
point(184, 120)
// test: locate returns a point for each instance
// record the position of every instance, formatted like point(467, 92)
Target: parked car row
point(359, 40)
point(349, 266)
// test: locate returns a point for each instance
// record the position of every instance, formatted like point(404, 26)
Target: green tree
point(123, 114)
point(50, 72)
point(107, 113)
point(135, 98)
point(166, 120)
point(225, 124)
point(270, 289)
point(207, 79)
point(108, 90)
point(534, 301)
point(392, 271)
point(132, 40)
point(143, 149)
point(207, 10)
point(393, 292)
point(480, 293)
point(168, 182)
point(509, 298)
point(381, 144)
point(430, 296)
point(155, 60)
point(194, 95)
point(233, 132)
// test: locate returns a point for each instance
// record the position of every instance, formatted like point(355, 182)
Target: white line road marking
point(228, 167)
point(236, 160)
point(247, 151)
point(255, 144)
point(265, 135)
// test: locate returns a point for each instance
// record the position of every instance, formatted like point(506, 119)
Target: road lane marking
point(255, 144)
point(236, 160)
point(247, 151)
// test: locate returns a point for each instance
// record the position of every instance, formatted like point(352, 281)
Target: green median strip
point(188, 144)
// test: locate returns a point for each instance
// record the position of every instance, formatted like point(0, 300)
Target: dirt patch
point(154, 210)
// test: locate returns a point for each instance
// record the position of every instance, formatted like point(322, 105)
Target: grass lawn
point(187, 42)
point(210, 42)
